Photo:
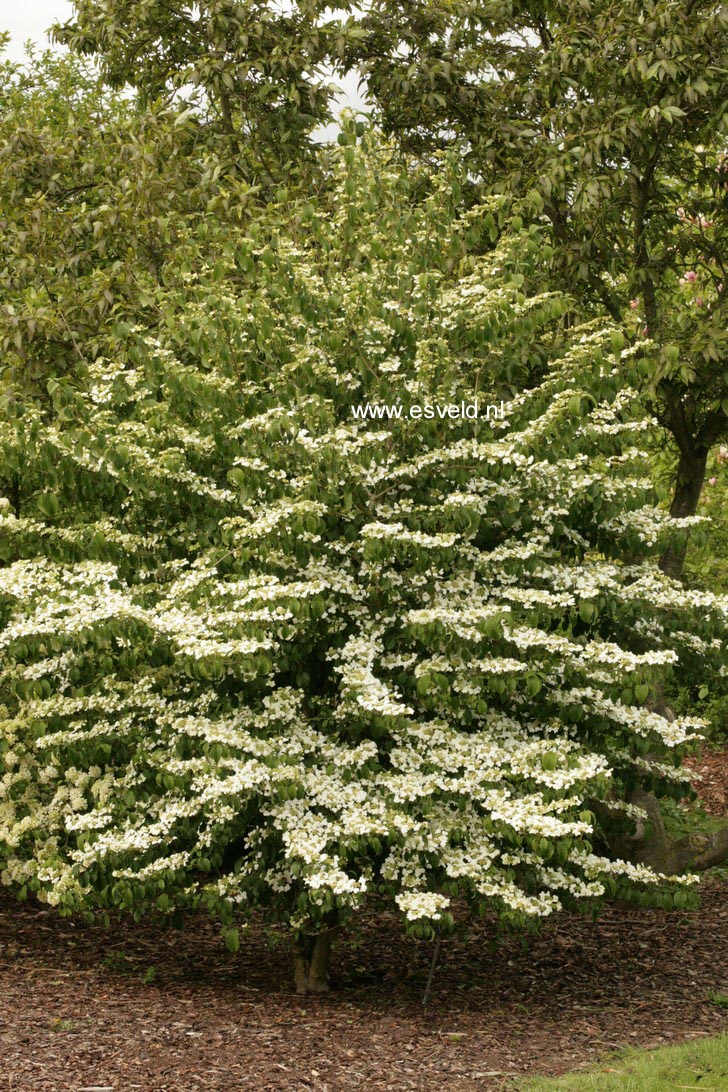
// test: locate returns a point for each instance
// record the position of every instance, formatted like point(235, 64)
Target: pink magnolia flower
point(645, 331)
point(699, 302)
point(634, 304)
point(690, 277)
point(712, 481)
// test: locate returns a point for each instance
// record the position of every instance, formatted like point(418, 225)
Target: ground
point(83, 1008)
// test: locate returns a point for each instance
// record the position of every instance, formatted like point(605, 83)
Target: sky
point(31, 19)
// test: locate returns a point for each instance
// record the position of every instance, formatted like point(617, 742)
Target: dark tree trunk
point(311, 961)
point(694, 447)
point(688, 486)
point(15, 495)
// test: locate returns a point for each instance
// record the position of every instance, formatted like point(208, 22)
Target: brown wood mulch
point(76, 1014)
point(711, 783)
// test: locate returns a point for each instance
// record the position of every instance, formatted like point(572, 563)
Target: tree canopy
point(609, 123)
point(256, 67)
point(98, 195)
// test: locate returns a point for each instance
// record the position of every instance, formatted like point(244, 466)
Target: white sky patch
point(31, 19)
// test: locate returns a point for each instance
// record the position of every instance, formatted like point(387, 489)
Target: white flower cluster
point(422, 904)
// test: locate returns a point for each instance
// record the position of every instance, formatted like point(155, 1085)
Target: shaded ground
point(76, 1013)
point(712, 783)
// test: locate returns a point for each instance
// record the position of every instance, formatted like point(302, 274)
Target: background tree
point(608, 122)
point(97, 194)
point(260, 653)
point(257, 65)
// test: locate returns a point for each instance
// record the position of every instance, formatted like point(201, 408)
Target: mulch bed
point(76, 1014)
point(712, 783)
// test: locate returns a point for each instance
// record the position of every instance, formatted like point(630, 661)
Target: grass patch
point(702, 1065)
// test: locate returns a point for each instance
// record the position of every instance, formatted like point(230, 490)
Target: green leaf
point(232, 939)
point(48, 504)
point(423, 684)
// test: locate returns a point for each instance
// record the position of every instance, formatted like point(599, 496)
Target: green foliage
point(693, 689)
point(96, 195)
point(260, 652)
point(608, 123)
point(707, 562)
point(256, 65)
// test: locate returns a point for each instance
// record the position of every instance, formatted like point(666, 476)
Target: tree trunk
point(653, 846)
point(688, 486)
point(311, 961)
point(15, 495)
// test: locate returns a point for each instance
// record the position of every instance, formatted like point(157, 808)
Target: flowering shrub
point(259, 654)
